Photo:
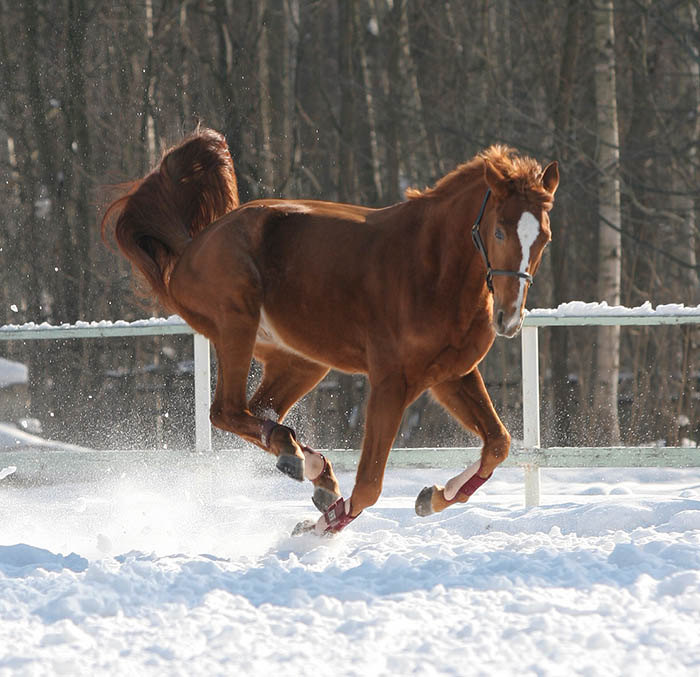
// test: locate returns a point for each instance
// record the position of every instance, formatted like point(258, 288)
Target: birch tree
point(609, 238)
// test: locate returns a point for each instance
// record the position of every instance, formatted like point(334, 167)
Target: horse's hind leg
point(286, 378)
point(234, 349)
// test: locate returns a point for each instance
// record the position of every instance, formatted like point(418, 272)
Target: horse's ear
point(550, 177)
point(495, 180)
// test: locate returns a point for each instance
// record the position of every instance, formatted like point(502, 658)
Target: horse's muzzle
point(506, 324)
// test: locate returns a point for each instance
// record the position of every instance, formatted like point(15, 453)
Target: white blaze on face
point(528, 230)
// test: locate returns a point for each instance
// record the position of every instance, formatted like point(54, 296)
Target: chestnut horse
point(411, 295)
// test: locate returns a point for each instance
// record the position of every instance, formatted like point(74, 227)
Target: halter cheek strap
point(481, 248)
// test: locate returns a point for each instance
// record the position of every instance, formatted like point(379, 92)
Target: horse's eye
point(500, 235)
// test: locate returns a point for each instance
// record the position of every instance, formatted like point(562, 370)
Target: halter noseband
point(481, 248)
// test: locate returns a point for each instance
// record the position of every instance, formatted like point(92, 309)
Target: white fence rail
point(531, 456)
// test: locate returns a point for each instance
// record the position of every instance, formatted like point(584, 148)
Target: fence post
point(531, 410)
point(202, 393)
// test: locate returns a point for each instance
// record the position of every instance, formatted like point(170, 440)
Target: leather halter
point(481, 248)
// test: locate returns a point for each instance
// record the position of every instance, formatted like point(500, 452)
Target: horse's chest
point(452, 362)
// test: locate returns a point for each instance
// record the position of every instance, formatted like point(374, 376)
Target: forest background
point(355, 101)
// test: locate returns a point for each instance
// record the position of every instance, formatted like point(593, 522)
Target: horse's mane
point(524, 175)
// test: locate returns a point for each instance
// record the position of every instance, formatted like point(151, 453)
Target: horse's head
point(515, 231)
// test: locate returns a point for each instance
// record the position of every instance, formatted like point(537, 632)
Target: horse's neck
point(447, 221)
point(446, 266)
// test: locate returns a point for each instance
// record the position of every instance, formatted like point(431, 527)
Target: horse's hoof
point(292, 466)
point(303, 527)
point(424, 502)
point(324, 499)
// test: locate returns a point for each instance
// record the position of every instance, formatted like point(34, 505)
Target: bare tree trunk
point(77, 168)
point(430, 156)
point(148, 132)
point(280, 72)
point(561, 388)
point(685, 248)
point(19, 240)
point(394, 100)
point(182, 74)
point(346, 156)
point(606, 425)
point(45, 181)
point(421, 74)
point(268, 56)
point(372, 163)
point(314, 159)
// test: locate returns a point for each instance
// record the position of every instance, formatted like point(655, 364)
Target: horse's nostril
point(499, 318)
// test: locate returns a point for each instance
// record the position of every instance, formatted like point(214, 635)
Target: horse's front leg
point(467, 400)
point(385, 407)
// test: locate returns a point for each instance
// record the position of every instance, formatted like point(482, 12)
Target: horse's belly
point(317, 343)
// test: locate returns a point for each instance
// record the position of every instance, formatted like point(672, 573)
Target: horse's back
point(268, 239)
point(320, 209)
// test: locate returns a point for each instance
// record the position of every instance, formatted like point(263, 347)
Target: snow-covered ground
point(160, 574)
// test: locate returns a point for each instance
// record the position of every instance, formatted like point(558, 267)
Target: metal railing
point(531, 457)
